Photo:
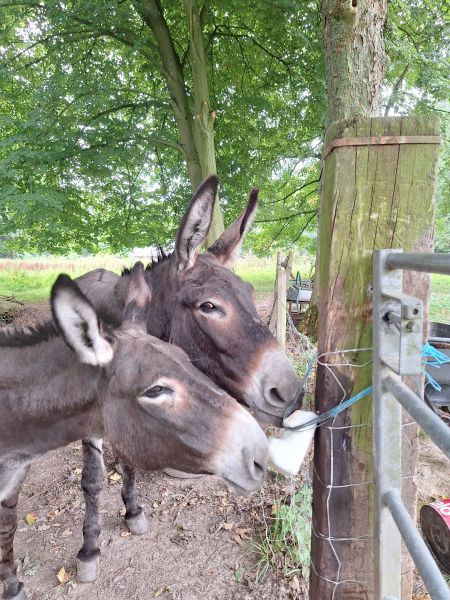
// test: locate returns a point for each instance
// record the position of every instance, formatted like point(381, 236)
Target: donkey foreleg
point(134, 516)
point(10, 483)
point(92, 480)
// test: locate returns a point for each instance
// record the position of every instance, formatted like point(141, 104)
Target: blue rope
point(427, 352)
point(437, 359)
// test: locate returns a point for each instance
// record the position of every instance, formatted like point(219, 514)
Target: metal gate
point(397, 344)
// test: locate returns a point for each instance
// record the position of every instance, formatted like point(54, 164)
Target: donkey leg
point(134, 517)
point(12, 587)
point(92, 480)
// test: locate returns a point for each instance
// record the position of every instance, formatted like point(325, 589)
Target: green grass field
point(31, 280)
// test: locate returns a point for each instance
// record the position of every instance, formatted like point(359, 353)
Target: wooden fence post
point(281, 303)
point(373, 196)
point(277, 323)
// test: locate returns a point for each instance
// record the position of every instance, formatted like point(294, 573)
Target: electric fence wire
point(303, 346)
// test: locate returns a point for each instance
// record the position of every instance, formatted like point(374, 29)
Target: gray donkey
point(202, 306)
point(72, 378)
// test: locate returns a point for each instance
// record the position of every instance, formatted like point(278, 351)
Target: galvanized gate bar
point(420, 412)
point(387, 421)
point(397, 341)
point(430, 263)
point(428, 569)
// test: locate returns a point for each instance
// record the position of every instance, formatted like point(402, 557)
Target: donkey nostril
point(275, 397)
point(259, 470)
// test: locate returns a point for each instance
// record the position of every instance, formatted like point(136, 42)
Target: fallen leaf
point(228, 526)
point(294, 584)
point(243, 533)
point(62, 575)
point(31, 570)
point(239, 573)
point(31, 518)
point(115, 477)
point(155, 505)
point(77, 471)
point(66, 533)
point(166, 589)
point(125, 534)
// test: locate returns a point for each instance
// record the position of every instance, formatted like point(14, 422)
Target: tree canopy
point(98, 100)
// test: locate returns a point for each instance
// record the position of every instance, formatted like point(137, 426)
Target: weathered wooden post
point(281, 303)
point(377, 192)
point(277, 324)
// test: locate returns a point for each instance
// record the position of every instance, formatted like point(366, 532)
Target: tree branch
point(132, 105)
point(395, 90)
point(308, 183)
point(296, 214)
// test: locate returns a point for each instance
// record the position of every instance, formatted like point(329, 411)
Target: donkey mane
point(161, 256)
point(20, 336)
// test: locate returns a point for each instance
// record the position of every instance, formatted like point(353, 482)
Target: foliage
point(287, 540)
point(90, 155)
point(90, 151)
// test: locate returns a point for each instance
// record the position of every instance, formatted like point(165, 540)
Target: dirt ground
point(201, 540)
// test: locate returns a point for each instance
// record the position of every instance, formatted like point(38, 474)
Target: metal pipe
point(432, 263)
point(441, 340)
point(420, 412)
point(428, 569)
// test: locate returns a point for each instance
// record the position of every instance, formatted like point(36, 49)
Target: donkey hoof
point(88, 570)
point(138, 525)
point(181, 474)
point(19, 596)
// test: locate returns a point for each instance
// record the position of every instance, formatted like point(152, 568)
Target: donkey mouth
point(265, 418)
point(238, 489)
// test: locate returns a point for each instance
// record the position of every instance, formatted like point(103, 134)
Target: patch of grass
point(440, 299)
point(31, 280)
point(287, 539)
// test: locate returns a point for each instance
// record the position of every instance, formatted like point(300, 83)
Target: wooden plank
point(281, 304)
point(273, 316)
point(372, 197)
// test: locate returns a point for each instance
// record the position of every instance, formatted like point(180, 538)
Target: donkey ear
point(195, 224)
point(227, 248)
point(137, 301)
point(78, 323)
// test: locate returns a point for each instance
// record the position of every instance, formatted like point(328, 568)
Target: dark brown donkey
point(70, 379)
point(199, 304)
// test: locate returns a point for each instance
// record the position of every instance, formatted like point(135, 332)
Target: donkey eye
point(207, 307)
point(156, 391)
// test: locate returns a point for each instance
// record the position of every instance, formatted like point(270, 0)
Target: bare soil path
point(201, 540)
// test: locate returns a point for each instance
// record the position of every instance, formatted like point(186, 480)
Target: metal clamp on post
point(401, 321)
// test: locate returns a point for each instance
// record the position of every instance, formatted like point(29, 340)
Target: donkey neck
point(47, 398)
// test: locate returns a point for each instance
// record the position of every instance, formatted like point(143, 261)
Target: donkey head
point(157, 409)
point(214, 318)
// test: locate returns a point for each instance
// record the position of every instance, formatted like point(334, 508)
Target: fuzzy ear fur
point(137, 301)
point(78, 323)
point(195, 224)
point(227, 248)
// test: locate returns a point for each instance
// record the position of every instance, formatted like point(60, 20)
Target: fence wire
point(304, 351)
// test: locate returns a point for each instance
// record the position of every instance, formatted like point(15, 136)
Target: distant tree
point(111, 112)
point(114, 98)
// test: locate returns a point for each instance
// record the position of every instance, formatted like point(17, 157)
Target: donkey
point(202, 306)
point(73, 378)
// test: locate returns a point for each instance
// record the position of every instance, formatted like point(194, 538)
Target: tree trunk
point(196, 134)
point(373, 197)
point(203, 126)
point(354, 56)
point(354, 66)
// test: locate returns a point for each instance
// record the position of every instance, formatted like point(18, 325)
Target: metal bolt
point(412, 327)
